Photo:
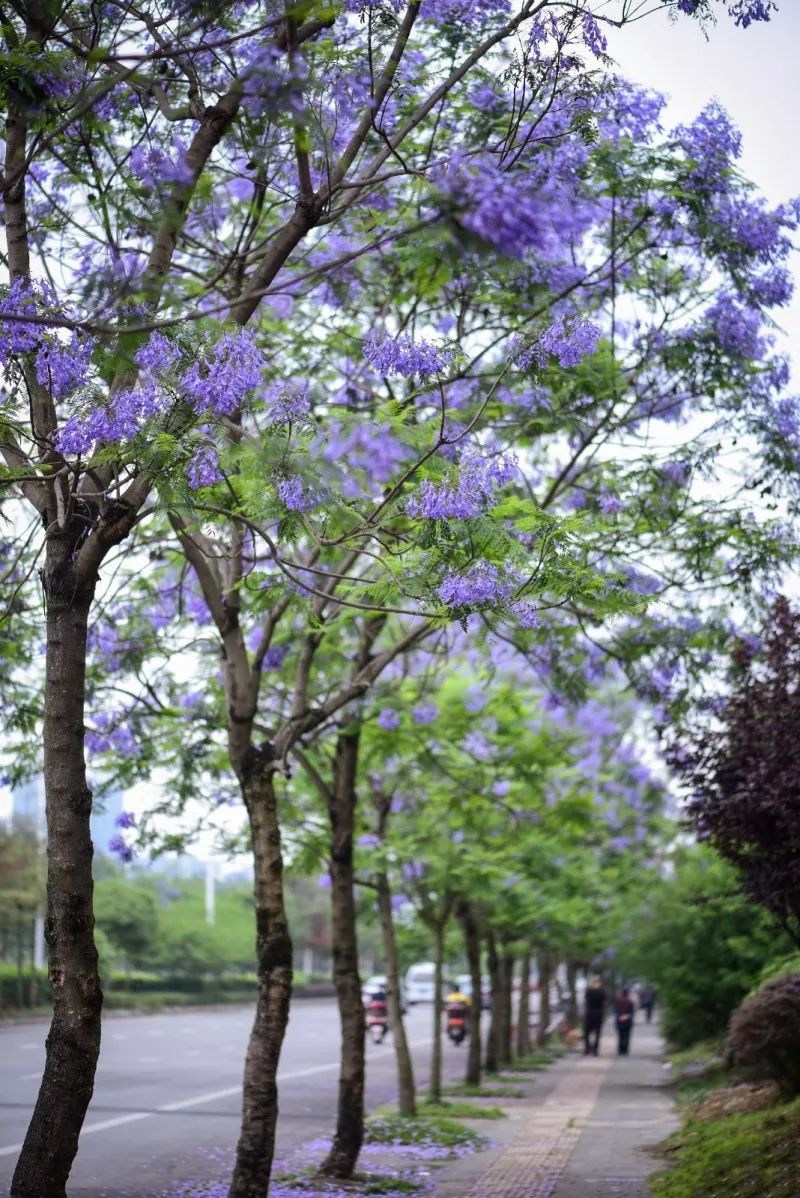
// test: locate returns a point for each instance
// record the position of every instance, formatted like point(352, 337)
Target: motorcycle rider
point(457, 1005)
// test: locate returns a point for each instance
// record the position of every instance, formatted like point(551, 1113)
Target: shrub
point(764, 1032)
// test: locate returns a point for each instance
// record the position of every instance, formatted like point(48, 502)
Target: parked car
point(378, 982)
point(419, 982)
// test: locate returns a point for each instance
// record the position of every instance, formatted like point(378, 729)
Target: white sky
point(753, 73)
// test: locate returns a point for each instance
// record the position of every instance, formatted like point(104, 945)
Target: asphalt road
point(167, 1097)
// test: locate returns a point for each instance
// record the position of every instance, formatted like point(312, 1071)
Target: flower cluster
point(220, 380)
point(569, 341)
point(155, 165)
point(480, 584)
point(401, 355)
point(287, 402)
point(203, 470)
point(479, 475)
point(294, 495)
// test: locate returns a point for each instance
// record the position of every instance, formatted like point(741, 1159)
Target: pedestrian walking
point(647, 1000)
point(624, 1012)
point(593, 1018)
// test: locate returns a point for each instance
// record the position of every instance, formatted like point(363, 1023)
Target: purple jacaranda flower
point(222, 377)
point(120, 848)
point(61, 366)
point(287, 402)
point(425, 713)
point(477, 744)
point(294, 495)
point(475, 699)
point(480, 473)
point(203, 469)
point(388, 719)
point(401, 355)
point(275, 657)
point(158, 355)
point(525, 613)
point(482, 582)
point(609, 503)
point(501, 788)
point(125, 819)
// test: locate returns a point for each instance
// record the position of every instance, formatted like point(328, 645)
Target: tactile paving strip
point(534, 1164)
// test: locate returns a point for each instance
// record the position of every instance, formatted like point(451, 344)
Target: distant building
point(28, 811)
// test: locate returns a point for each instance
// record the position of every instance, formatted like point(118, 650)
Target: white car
point(379, 982)
point(420, 982)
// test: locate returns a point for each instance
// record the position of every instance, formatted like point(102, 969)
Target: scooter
point(457, 1022)
point(377, 1020)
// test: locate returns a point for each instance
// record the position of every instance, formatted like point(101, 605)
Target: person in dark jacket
point(647, 1000)
point(624, 1011)
point(593, 1019)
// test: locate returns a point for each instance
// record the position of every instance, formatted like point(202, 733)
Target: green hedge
point(122, 989)
point(9, 985)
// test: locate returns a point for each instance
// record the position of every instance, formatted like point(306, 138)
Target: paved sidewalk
point(582, 1133)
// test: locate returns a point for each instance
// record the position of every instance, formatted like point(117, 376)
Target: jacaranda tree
point(174, 185)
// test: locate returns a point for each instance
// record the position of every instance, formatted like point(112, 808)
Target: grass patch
point(377, 1184)
point(425, 1129)
point(698, 1054)
point(743, 1156)
point(459, 1110)
point(691, 1087)
point(307, 1181)
point(490, 1091)
point(534, 1062)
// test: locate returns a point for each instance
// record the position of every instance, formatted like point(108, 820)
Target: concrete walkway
point(583, 1132)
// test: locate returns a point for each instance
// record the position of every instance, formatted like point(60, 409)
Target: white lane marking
point(119, 1036)
point(28, 1077)
point(185, 1103)
point(31, 1046)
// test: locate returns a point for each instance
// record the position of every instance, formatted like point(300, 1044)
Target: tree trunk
point(524, 1009)
point(545, 977)
point(73, 1042)
point(435, 1086)
point(472, 945)
point(256, 1146)
point(493, 965)
point(573, 1015)
point(349, 1135)
point(406, 1089)
point(504, 1038)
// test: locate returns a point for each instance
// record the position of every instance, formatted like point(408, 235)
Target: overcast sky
point(753, 73)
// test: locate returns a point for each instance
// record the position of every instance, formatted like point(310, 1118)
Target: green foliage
point(743, 1156)
point(701, 943)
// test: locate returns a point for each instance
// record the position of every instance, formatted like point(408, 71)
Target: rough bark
point(256, 1146)
point(524, 1008)
point(406, 1088)
point(73, 1042)
point(493, 965)
point(545, 977)
point(435, 1084)
point(349, 1134)
point(472, 946)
